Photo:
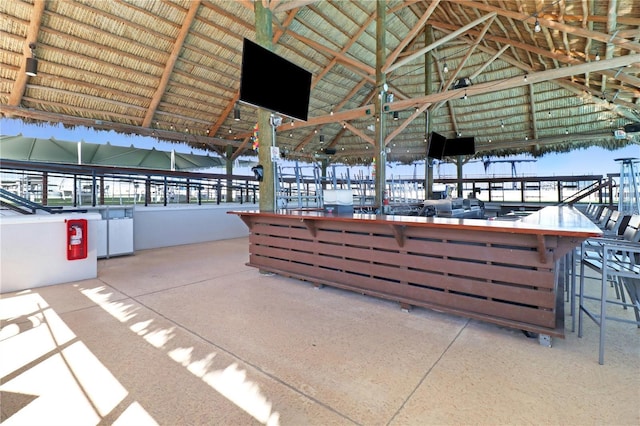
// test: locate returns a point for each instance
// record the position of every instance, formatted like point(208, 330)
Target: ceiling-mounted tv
point(271, 82)
point(460, 146)
point(437, 144)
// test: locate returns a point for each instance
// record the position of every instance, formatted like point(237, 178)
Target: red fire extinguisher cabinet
point(76, 239)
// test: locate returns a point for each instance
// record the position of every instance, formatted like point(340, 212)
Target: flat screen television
point(437, 144)
point(460, 146)
point(271, 82)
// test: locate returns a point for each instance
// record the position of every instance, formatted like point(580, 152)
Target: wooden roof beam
point(532, 105)
point(418, 111)
point(171, 63)
point(489, 62)
point(470, 51)
point(20, 85)
point(437, 43)
point(413, 32)
point(629, 79)
point(342, 57)
point(570, 86)
point(611, 28)
point(478, 89)
point(577, 31)
point(293, 4)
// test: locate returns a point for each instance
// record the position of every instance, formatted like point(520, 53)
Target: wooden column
point(229, 164)
point(428, 83)
point(380, 154)
point(264, 37)
point(45, 188)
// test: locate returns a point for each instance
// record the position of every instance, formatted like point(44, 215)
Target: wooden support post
point(264, 37)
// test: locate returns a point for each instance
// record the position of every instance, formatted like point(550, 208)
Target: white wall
point(33, 251)
point(183, 224)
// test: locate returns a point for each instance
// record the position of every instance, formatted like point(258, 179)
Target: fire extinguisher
point(76, 239)
point(385, 203)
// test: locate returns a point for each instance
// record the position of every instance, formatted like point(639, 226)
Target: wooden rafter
point(20, 84)
point(171, 63)
point(560, 57)
point(478, 89)
point(437, 43)
point(576, 31)
point(411, 34)
point(341, 57)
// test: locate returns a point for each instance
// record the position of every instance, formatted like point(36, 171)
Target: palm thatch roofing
point(542, 75)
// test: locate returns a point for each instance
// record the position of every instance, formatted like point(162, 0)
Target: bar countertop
point(563, 221)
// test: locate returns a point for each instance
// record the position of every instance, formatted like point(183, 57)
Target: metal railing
point(84, 185)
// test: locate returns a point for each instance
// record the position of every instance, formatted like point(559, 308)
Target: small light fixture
point(525, 78)
point(32, 63)
point(502, 124)
point(445, 69)
point(321, 138)
point(526, 138)
point(292, 123)
point(597, 56)
point(536, 26)
point(230, 131)
point(465, 95)
point(395, 115)
point(236, 112)
point(566, 132)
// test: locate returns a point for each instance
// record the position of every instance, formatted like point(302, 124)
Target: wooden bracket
point(542, 249)
point(398, 232)
point(311, 226)
point(247, 221)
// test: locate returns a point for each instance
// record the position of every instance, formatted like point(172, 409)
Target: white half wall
point(156, 227)
point(33, 251)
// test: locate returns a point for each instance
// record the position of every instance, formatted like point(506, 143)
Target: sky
point(590, 161)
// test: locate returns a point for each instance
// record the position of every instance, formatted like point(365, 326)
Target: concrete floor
point(191, 335)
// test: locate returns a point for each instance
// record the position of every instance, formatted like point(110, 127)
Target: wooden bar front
point(504, 272)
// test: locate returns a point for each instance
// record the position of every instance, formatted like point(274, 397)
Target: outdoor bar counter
point(504, 272)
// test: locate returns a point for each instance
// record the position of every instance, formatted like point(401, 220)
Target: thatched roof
point(171, 69)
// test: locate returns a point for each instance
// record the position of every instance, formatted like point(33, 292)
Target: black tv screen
point(460, 146)
point(437, 144)
point(271, 82)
